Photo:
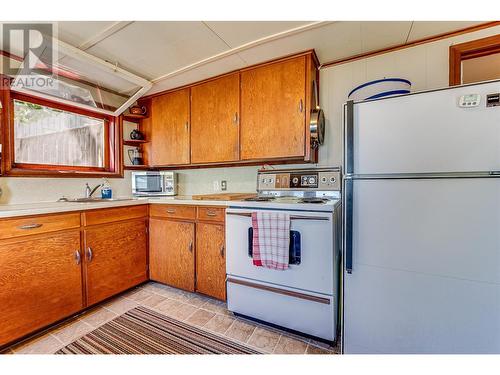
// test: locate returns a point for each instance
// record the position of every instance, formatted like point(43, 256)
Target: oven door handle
point(293, 217)
point(285, 292)
point(348, 212)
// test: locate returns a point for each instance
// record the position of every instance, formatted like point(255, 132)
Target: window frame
point(113, 155)
point(469, 50)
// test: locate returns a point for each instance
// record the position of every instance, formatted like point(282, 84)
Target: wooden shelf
point(136, 167)
point(134, 142)
point(133, 118)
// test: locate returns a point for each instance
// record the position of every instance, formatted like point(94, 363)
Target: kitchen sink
point(93, 200)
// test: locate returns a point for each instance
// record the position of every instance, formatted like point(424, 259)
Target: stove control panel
point(299, 180)
point(267, 181)
point(303, 180)
point(329, 181)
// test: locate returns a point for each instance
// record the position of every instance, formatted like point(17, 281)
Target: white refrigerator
point(422, 223)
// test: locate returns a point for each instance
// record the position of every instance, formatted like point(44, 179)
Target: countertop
point(38, 208)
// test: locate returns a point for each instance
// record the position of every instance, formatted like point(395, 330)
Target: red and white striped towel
point(271, 240)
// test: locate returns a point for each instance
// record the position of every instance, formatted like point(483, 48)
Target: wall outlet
point(216, 186)
point(223, 185)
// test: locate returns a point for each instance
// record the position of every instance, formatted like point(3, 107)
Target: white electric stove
point(303, 298)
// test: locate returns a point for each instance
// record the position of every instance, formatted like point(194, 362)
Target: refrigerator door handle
point(349, 137)
point(348, 212)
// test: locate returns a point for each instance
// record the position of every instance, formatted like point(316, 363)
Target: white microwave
point(154, 183)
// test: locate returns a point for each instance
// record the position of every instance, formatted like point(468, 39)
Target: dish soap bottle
point(106, 192)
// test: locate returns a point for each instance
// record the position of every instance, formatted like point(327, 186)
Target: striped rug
point(142, 331)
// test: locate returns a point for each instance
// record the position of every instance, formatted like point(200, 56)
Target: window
point(475, 61)
point(48, 138)
point(44, 135)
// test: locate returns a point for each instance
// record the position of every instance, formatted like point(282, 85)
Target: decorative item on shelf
point(138, 110)
point(135, 156)
point(136, 135)
point(380, 88)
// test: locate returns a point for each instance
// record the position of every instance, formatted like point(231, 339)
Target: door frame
point(469, 50)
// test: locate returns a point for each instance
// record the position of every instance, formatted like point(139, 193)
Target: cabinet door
point(215, 107)
point(210, 260)
point(273, 110)
point(115, 257)
point(40, 282)
point(171, 253)
point(168, 129)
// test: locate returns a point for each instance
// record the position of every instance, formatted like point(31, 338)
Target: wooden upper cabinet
point(167, 129)
point(115, 258)
point(215, 107)
point(273, 107)
point(257, 114)
point(40, 282)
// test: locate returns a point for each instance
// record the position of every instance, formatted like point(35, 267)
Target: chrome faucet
point(90, 191)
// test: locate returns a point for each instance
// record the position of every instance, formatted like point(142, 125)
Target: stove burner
point(259, 199)
point(313, 200)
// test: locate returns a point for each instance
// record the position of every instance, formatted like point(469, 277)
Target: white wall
point(26, 190)
point(426, 66)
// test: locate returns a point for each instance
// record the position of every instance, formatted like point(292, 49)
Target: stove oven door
point(312, 237)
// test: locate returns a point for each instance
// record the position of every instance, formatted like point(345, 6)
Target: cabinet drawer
point(108, 215)
point(24, 226)
point(211, 213)
point(173, 211)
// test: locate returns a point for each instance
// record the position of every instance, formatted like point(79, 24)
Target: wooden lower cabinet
point(188, 252)
point(171, 253)
point(40, 282)
point(46, 277)
point(211, 260)
point(115, 258)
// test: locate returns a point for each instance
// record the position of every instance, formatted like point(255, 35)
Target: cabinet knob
point(90, 254)
point(78, 257)
point(211, 213)
point(235, 118)
point(301, 105)
point(222, 251)
point(170, 211)
point(191, 247)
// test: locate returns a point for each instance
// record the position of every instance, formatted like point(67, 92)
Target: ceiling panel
point(76, 33)
point(221, 66)
point(152, 49)
point(155, 49)
point(237, 33)
point(331, 41)
point(382, 34)
point(425, 29)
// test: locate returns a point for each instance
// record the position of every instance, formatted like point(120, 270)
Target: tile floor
point(204, 312)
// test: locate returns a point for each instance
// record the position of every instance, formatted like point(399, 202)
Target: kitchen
point(250, 187)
